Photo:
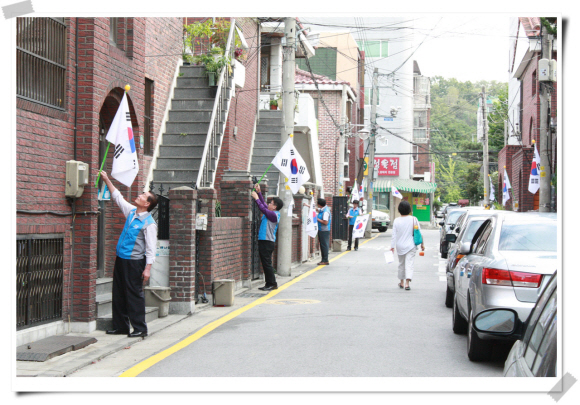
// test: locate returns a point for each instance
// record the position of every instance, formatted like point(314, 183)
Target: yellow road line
point(145, 364)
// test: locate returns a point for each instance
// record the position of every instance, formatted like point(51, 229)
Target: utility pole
point(372, 138)
point(485, 148)
point(545, 132)
point(288, 71)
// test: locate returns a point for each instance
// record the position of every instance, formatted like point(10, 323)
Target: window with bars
point(323, 63)
point(41, 60)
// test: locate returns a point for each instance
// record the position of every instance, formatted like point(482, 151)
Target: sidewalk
point(183, 326)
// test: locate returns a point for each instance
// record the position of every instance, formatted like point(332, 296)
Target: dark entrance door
point(339, 221)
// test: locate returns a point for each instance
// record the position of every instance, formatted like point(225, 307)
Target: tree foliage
point(454, 107)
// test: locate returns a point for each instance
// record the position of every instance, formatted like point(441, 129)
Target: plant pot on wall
point(212, 78)
point(273, 107)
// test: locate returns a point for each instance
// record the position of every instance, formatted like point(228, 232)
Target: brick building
point(524, 113)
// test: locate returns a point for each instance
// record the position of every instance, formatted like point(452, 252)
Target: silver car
point(465, 229)
point(535, 353)
point(507, 264)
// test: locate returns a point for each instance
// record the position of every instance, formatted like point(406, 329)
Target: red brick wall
point(521, 164)
point(45, 136)
point(505, 158)
point(235, 151)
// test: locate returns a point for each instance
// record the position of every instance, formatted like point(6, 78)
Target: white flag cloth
point(311, 222)
point(360, 225)
point(506, 186)
point(291, 208)
point(534, 184)
point(125, 164)
point(396, 192)
point(355, 194)
point(291, 165)
point(492, 192)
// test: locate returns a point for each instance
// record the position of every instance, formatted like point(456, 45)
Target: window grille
point(41, 60)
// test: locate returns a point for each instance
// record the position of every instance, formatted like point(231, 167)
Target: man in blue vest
point(267, 235)
point(324, 219)
point(135, 255)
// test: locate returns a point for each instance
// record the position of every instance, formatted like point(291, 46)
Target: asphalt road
point(348, 319)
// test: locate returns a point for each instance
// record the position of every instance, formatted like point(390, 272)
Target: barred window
point(41, 60)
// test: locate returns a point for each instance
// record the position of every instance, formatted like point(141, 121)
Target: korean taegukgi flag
point(396, 193)
point(534, 184)
point(355, 194)
point(506, 186)
point(492, 192)
point(360, 225)
point(311, 222)
point(125, 164)
point(291, 165)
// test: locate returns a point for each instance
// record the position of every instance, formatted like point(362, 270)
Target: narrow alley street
point(348, 319)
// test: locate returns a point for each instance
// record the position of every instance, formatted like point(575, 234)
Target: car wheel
point(477, 349)
point(449, 298)
point(383, 229)
point(444, 253)
point(459, 324)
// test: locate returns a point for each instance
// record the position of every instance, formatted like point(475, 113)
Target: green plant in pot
point(214, 66)
point(273, 104)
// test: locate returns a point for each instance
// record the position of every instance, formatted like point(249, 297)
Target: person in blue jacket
point(351, 215)
point(135, 256)
point(324, 219)
point(267, 235)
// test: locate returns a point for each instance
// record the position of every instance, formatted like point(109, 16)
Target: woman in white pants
point(403, 240)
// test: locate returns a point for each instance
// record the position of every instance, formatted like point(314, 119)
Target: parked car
point(465, 228)
point(449, 207)
point(448, 225)
point(535, 353)
point(380, 220)
point(506, 265)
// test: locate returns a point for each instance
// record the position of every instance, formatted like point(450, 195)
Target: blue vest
point(355, 213)
point(326, 227)
point(268, 228)
point(131, 243)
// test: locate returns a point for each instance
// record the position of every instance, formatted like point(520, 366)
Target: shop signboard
point(387, 166)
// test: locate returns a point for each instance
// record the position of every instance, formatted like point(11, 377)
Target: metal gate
point(255, 254)
point(339, 221)
point(161, 212)
point(39, 279)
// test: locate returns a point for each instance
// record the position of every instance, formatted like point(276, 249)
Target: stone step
point(183, 151)
point(104, 304)
point(262, 160)
point(106, 322)
point(195, 82)
point(188, 127)
point(189, 116)
point(267, 142)
point(278, 114)
point(265, 151)
point(177, 163)
point(269, 129)
point(267, 137)
point(192, 104)
point(167, 185)
point(185, 140)
point(192, 71)
point(181, 175)
point(194, 93)
point(104, 285)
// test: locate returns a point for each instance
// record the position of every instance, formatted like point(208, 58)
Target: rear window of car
point(530, 236)
point(453, 216)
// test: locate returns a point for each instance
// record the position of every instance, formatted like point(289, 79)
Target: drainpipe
point(73, 200)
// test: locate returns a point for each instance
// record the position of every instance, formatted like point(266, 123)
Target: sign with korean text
point(387, 166)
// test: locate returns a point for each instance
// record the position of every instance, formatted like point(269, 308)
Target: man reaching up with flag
point(135, 255)
point(267, 235)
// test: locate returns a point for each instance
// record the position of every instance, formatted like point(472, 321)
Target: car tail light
point(457, 259)
point(510, 278)
point(496, 277)
point(525, 279)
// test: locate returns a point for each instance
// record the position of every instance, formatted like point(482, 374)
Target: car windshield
point(530, 236)
point(473, 227)
point(453, 216)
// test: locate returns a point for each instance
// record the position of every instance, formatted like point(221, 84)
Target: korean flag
point(291, 165)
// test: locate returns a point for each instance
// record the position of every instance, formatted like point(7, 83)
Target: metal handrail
point(212, 132)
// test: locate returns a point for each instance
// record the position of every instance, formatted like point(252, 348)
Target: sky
point(465, 47)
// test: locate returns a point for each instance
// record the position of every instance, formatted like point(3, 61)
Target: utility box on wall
point(77, 177)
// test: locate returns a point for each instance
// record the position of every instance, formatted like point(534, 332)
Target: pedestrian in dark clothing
point(267, 235)
point(324, 219)
point(351, 215)
point(135, 255)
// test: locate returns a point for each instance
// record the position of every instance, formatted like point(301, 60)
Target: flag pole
point(262, 176)
point(127, 88)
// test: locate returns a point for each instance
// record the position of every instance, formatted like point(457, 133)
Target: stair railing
point(204, 177)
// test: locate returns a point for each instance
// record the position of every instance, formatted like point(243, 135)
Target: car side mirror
point(465, 248)
point(500, 322)
point(442, 223)
point(450, 237)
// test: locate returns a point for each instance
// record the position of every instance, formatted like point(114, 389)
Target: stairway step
point(188, 127)
point(104, 304)
point(279, 114)
point(104, 285)
point(267, 152)
point(192, 71)
point(189, 116)
point(177, 163)
point(192, 104)
point(262, 160)
point(186, 176)
point(195, 82)
point(185, 140)
point(194, 93)
point(183, 151)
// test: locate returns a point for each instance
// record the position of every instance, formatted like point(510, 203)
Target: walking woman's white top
point(402, 238)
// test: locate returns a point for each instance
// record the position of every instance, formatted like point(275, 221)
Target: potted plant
point(217, 52)
point(240, 54)
point(273, 104)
